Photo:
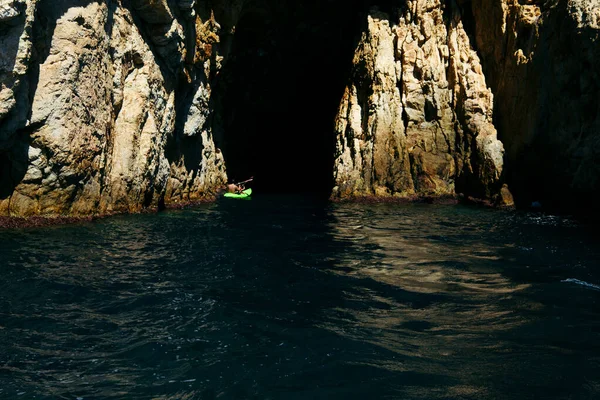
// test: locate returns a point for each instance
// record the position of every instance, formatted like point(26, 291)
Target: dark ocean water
point(293, 298)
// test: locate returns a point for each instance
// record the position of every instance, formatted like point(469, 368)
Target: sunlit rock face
point(104, 106)
point(416, 119)
point(541, 61)
point(117, 106)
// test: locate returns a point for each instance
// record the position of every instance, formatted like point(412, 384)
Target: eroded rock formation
point(104, 108)
point(110, 106)
point(417, 117)
point(541, 61)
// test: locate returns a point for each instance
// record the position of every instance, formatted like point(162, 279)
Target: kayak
point(244, 195)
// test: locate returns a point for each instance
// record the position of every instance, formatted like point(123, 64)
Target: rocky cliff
point(541, 61)
point(106, 106)
point(416, 119)
point(120, 105)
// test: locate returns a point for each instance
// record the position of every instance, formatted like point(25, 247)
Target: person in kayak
point(233, 188)
point(237, 187)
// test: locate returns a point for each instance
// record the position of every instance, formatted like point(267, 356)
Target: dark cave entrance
point(280, 89)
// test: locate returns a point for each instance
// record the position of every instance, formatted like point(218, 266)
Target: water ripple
point(299, 299)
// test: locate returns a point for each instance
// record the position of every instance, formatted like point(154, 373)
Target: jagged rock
point(16, 45)
point(541, 61)
point(372, 157)
point(101, 134)
point(417, 118)
point(198, 113)
point(164, 30)
point(10, 9)
point(109, 106)
point(169, 40)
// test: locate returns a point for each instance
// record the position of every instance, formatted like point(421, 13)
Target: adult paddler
point(237, 187)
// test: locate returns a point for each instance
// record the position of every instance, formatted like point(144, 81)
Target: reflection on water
point(295, 299)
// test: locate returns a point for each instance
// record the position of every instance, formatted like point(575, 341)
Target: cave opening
point(280, 89)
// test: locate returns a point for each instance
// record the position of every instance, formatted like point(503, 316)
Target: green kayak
point(244, 195)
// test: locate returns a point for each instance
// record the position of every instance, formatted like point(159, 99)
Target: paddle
point(246, 181)
point(241, 186)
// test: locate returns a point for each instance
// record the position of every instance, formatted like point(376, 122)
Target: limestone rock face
point(91, 103)
point(416, 119)
point(541, 60)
